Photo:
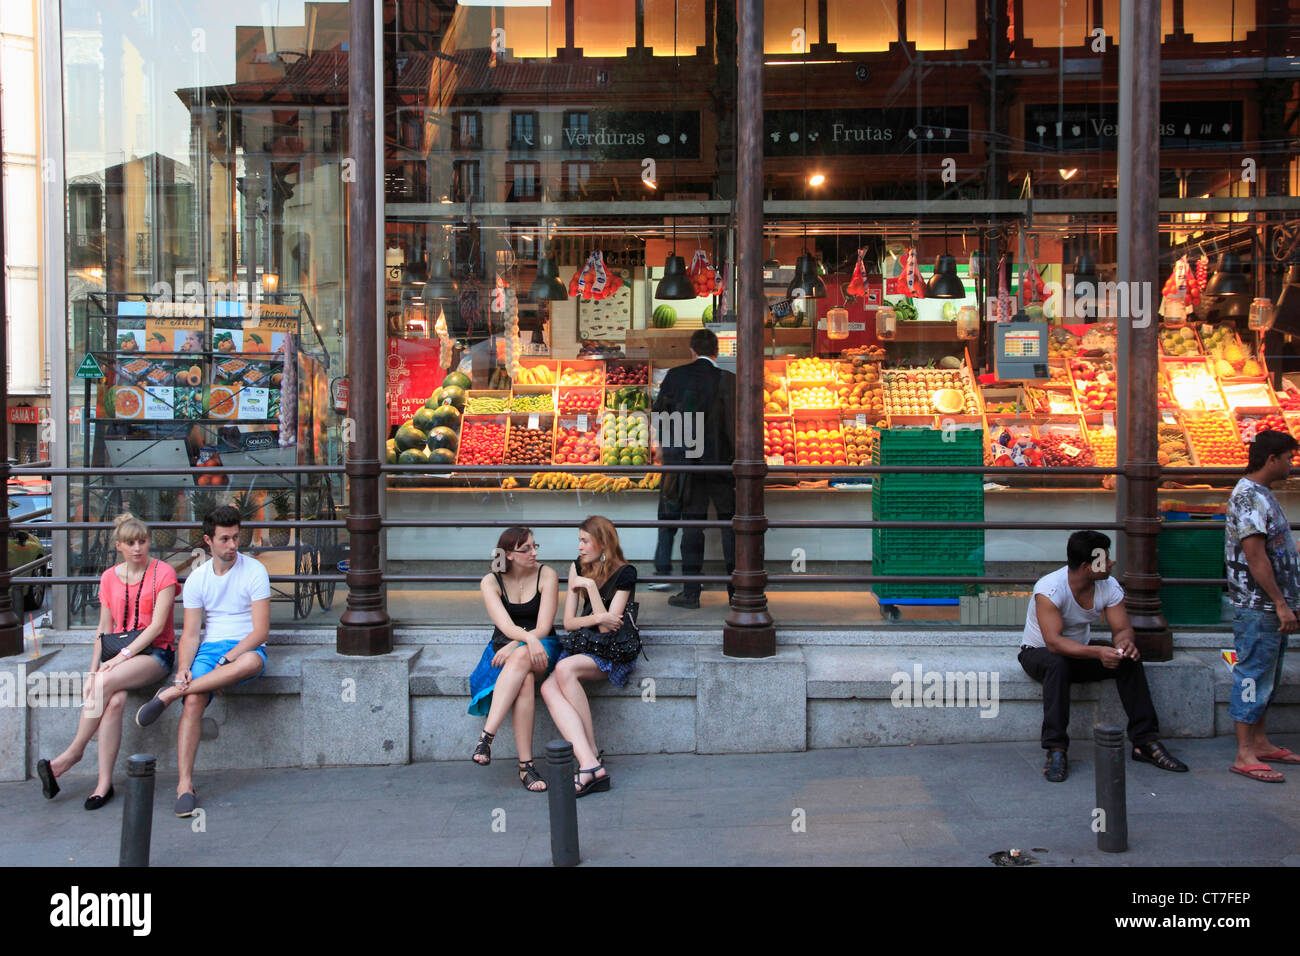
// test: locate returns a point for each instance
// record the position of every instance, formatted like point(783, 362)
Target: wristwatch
point(222, 661)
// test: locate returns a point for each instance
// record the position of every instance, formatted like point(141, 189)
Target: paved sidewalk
point(888, 806)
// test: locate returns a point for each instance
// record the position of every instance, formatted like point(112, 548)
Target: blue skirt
point(484, 678)
point(618, 671)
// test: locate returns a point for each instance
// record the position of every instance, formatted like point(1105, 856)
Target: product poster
point(414, 374)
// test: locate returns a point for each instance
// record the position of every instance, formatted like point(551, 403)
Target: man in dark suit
point(705, 397)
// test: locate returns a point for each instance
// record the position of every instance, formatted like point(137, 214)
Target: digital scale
point(1020, 351)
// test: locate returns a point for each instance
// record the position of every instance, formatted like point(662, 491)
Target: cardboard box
point(659, 343)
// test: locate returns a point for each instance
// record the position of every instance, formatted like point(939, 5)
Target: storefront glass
point(206, 282)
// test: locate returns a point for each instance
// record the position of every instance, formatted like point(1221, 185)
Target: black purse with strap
point(113, 644)
point(619, 646)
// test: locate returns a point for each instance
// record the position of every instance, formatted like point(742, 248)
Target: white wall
point(28, 370)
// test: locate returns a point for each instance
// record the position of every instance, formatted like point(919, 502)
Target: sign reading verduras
point(1183, 125)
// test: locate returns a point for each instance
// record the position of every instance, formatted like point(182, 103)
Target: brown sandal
point(528, 776)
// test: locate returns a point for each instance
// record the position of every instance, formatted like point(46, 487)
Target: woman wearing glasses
point(521, 596)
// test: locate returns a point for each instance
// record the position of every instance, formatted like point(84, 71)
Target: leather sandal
point(595, 785)
point(484, 748)
point(1153, 752)
point(528, 776)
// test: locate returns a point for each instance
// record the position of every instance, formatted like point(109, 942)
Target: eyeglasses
point(528, 549)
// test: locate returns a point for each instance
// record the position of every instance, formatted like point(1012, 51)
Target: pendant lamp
point(1229, 278)
point(547, 286)
point(945, 284)
point(675, 284)
point(441, 285)
point(806, 281)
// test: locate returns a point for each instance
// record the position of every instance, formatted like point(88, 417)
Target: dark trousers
point(1056, 673)
point(700, 493)
point(664, 547)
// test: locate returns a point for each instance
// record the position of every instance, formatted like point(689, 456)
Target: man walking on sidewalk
point(705, 397)
point(233, 591)
point(1057, 652)
point(1264, 583)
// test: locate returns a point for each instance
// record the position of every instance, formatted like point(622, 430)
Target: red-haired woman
point(521, 601)
point(606, 583)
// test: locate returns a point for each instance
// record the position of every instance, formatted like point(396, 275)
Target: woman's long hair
point(510, 541)
point(602, 529)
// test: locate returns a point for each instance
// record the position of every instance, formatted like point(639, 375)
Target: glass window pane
point(942, 24)
point(862, 25)
point(659, 26)
point(604, 27)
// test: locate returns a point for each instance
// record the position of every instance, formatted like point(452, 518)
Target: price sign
point(1108, 419)
point(1168, 418)
point(861, 420)
point(534, 420)
point(776, 459)
point(1071, 450)
point(582, 423)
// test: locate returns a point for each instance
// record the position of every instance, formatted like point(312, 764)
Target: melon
point(442, 456)
point(408, 437)
point(445, 416)
point(413, 456)
point(459, 379)
point(708, 314)
point(443, 437)
point(665, 317)
point(452, 395)
point(950, 361)
point(392, 451)
point(949, 401)
point(423, 419)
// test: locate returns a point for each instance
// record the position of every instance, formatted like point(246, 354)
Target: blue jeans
point(1261, 648)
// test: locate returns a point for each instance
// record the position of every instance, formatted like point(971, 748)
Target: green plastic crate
point(1192, 552)
point(1192, 603)
point(931, 446)
point(930, 498)
point(927, 548)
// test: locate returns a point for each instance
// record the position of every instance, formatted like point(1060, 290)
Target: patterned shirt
point(1252, 510)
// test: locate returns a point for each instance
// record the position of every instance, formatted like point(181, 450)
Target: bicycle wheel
point(304, 592)
point(328, 556)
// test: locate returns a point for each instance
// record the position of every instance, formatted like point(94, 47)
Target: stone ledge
point(1288, 693)
point(443, 671)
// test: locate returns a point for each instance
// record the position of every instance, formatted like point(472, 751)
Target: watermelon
point(444, 437)
point(408, 437)
point(459, 379)
point(392, 451)
point(665, 317)
point(708, 314)
point(445, 416)
point(413, 456)
point(452, 395)
point(423, 419)
point(442, 456)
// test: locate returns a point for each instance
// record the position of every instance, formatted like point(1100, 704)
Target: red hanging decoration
point(858, 284)
point(594, 282)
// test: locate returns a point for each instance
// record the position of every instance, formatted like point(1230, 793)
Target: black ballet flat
point(95, 801)
point(49, 786)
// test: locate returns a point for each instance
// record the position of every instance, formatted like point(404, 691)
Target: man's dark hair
point(1082, 545)
point(226, 516)
point(704, 342)
point(1267, 444)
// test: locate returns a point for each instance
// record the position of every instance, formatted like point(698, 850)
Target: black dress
point(622, 580)
point(484, 678)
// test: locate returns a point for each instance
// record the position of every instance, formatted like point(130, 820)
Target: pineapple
point(240, 502)
point(168, 503)
point(201, 502)
point(1223, 368)
point(310, 502)
point(283, 512)
point(1251, 368)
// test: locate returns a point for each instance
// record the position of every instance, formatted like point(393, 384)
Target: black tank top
point(521, 615)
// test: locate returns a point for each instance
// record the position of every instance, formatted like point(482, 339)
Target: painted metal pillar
point(1139, 168)
point(748, 631)
point(364, 627)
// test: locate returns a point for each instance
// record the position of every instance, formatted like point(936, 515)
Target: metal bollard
point(563, 803)
point(137, 811)
point(1111, 798)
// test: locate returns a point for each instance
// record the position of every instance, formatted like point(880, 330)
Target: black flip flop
point(49, 786)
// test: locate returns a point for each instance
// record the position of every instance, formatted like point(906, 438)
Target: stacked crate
point(923, 497)
point(1191, 553)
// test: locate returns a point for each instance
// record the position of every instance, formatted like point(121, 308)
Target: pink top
point(113, 595)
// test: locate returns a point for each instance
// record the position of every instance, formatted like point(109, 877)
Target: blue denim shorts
point(165, 658)
point(1261, 648)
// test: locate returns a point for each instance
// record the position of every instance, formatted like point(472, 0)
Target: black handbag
point(113, 644)
point(619, 646)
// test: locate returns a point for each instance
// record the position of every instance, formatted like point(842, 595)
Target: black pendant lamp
point(547, 286)
point(806, 281)
point(1085, 272)
point(675, 284)
point(1229, 278)
point(441, 285)
point(945, 284)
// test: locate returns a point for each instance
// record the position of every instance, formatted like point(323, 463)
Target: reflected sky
point(121, 56)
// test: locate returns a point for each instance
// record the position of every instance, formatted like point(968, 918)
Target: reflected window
point(522, 179)
point(576, 126)
point(862, 26)
point(466, 184)
point(605, 27)
point(659, 26)
point(467, 131)
point(576, 176)
point(1218, 21)
point(523, 130)
point(950, 24)
point(781, 20)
